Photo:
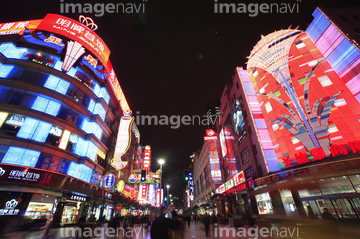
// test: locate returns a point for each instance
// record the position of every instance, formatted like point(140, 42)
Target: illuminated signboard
point(10, 208)
point(221, 188)
point(239, 178)
point(143, 191)
point(120, 186)
point(24, 175)
point(229, 184)
point(210, 135)
point(223, 143)
point(191, 187)
point(109, 180)
point(114, 82)
point(150, 177)
point(307, 108)
point(123, 140)
point(11, 28)
point(147, 158)
point(213, 156)
point(229, 160)
point(151, 194)
point(158, 195)
point(76, 31)
point(238, 121)
point(214, 161)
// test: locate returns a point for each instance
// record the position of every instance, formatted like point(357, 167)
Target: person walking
point(161, 225)
point(206, 222)
point(179, 232)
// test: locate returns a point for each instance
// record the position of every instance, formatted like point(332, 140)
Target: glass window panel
point(81, 147)
point(91, 151)
point(74, 170)
point(52, 82)
point(105, 95)
point(91, 105)
point(335, 185)
point(13, 155)
point(40, 104)
point(3, 150)
point(96, 88)
point(86, 173)
point(99, 109)
point(28, 128)
point(42, 132)
point(355, 179)
point(5, 70)
point(53, 108)
point(63, 87)
point(30, 158)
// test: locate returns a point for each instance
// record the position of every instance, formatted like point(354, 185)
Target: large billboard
point(309, 112)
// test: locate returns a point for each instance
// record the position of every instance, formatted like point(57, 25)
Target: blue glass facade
point(73, 100)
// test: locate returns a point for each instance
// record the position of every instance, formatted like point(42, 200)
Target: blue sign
point(109, 180)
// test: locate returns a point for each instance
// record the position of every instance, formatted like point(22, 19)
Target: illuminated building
point(312, 117)
point(206, 173)
point(61, 106)
point(212, 113)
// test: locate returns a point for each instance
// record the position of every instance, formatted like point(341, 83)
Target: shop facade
point(306, 191)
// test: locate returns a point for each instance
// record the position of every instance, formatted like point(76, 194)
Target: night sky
point(174, 58)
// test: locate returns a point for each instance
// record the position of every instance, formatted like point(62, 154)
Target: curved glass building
point(60, 111)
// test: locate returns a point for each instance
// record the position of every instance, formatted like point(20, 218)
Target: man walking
point(160, 226)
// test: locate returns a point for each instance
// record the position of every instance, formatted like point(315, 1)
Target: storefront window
point(355, 179)
point(40, 206)
point(335, 185)
point(264, 203)
point(288, 202)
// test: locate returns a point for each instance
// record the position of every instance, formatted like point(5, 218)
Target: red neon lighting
point(147, 158)
point(77, 32)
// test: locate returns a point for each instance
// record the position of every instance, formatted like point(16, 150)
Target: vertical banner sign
point(143, 191)
point(158, 195)
point(123, 139)
point(147, 158)
point(162, 196)
point(151, 194)
point(214, 161)
point(213, 155)
point(191, 187)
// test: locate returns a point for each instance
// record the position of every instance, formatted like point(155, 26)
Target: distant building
point(212, 113)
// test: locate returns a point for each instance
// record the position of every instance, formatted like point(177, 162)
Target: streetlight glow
point(167, 186)
point(161, 161)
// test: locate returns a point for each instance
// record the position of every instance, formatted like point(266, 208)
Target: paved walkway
point(312, 231)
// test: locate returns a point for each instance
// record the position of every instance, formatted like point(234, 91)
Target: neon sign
point(77, 32)
point(120, 186)
point(210, 135)
point(150, 177)
point(214, 158)
point(11, 28)
point(147, 158)
point(10, 208)
point(123, 140)
point(239, 178)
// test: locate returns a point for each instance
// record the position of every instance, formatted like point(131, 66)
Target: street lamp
point(161, 162)
point(167, 192)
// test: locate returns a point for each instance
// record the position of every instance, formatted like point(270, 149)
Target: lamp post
point(167, 192)
point(161, 162)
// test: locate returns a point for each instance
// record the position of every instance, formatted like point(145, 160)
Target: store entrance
point(341, 206)
point(69, 213)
